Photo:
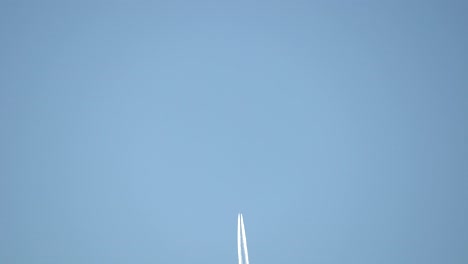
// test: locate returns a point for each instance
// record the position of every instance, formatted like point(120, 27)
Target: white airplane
point(241, 239)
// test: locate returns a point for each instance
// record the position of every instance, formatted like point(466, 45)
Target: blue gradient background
point(134, 132)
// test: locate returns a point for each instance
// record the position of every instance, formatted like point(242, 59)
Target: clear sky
point(136, 131)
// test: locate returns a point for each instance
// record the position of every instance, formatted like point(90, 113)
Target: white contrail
point(239, 250)
point(246, 253)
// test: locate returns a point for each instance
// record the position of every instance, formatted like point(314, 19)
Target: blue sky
point(135, 132)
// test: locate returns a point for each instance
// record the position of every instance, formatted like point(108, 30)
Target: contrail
point(246, 253)
point(239, 249)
